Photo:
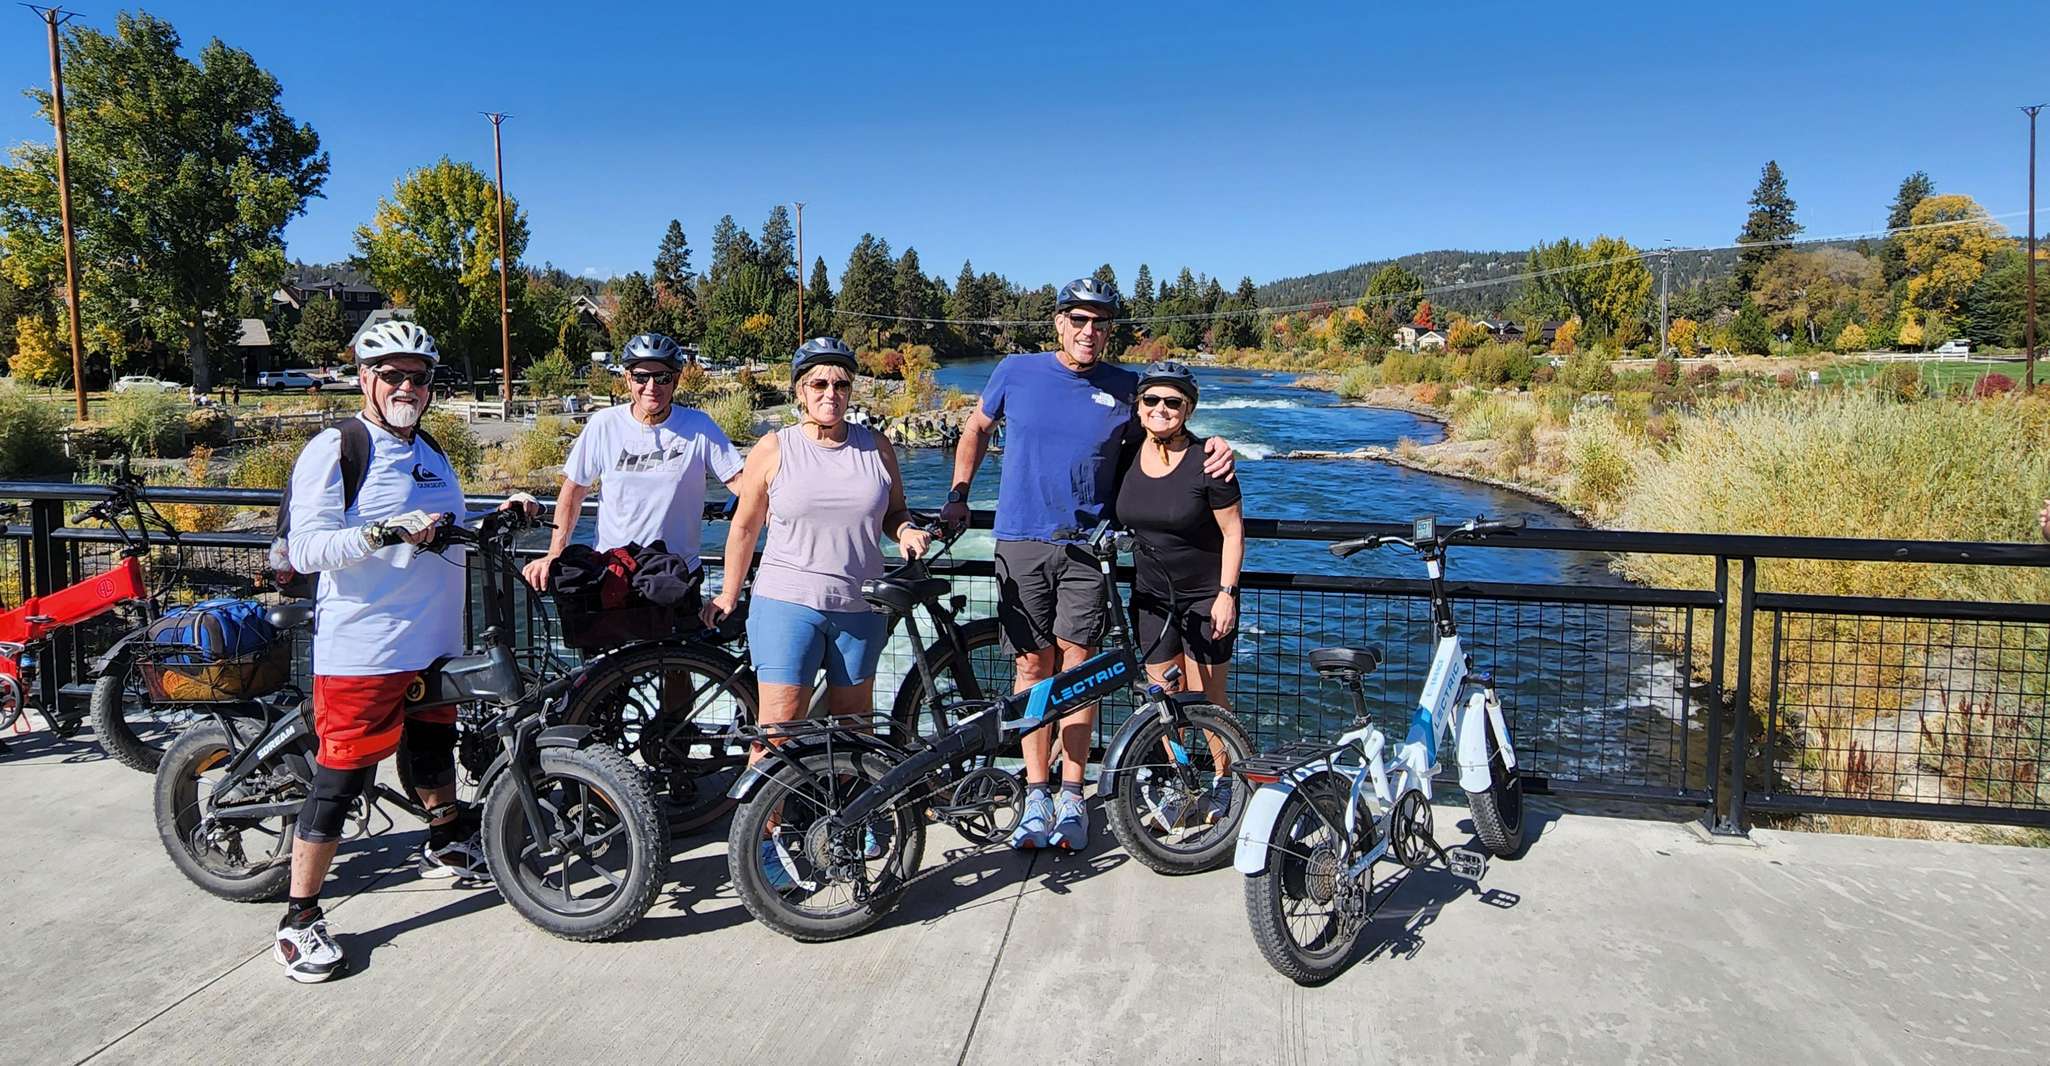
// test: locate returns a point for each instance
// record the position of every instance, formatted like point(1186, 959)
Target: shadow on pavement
point(43, 746)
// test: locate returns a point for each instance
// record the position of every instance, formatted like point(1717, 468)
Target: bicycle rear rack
point(1270, 767)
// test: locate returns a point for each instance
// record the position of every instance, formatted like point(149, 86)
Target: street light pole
point(800, 272)
point(2031, 318)
point(54, 17)
point(504, 306)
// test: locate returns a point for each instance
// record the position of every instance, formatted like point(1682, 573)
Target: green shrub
point(1356, 383)
point(1602, 458)
point(28, 434)
point(1588, 371)
point(1479, 415)
point(456, 440)
point(545, 445)
point(1899, 382)
point(1493, 365)
point(265, 466)
point(148, 421)
point(1633, 409)
point(550, 375)
point(1410, 368)
point(734, 414)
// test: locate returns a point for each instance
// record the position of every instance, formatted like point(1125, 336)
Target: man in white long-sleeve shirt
point(381, 616)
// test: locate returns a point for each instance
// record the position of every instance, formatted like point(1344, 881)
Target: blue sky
point(1041, 140)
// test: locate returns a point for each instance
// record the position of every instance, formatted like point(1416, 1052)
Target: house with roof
point(381, 315)
point(1415, 338)
point(357, 300)
point(1501, 329)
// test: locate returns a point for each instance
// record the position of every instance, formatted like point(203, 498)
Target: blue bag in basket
point(220, 629)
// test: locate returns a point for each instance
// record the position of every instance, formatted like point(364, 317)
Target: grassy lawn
point(1935, 374)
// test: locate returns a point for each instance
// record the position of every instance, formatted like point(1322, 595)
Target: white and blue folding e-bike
point(1325, 813)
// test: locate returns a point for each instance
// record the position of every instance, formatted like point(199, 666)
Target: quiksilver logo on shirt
point(424, 476)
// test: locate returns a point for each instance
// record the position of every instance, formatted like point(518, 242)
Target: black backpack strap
point(355, 458)
point(420, 432)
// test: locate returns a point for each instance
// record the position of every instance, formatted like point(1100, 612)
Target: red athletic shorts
point(360, 719)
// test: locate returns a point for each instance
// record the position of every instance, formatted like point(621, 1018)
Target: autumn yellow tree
point(1466, 335)
point(1945, 261)
point(1910, 333)
point(35, 352)
point(1568, 337)
point(1681, 336)
point(1852, 339)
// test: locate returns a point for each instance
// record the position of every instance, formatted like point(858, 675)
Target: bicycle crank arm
point(239, 813)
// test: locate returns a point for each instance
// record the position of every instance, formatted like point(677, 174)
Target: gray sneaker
point(1219, 807)
point(1035, 823)
point(1071, 824)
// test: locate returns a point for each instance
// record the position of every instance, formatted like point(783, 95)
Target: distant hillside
point(1462, 268)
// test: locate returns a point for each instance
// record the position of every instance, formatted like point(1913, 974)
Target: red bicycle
point(126, 723)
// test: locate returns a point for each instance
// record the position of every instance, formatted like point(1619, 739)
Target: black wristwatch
point(957, 496)
point(1230, 590)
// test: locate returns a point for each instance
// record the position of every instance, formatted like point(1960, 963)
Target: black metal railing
point(1863, 706)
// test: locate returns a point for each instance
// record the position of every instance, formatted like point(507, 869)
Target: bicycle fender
point(1261, 822)
point(564, 736)
point(1473, 745)
point(108, 658)
point(751, 779)
point(1114, 754)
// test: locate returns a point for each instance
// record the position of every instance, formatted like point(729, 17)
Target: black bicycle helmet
point(1091, 293)
point(1172, 374)
point(653, 348)
point(821, 351)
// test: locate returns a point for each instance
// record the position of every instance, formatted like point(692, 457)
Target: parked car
point(276, 380)
point(1954, 347)
point(145, 383)
point(449, 380)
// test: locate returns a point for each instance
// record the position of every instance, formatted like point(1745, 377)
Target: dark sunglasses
point(394, 378)
point(1087, 321)
point(643, 377)
point(821, 385)
point(1172, 403)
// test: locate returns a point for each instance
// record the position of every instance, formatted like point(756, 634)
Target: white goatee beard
point(402, 415)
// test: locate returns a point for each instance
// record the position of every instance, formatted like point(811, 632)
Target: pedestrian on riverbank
point(827, 490)
point(1071, 432)
point(1185, 588)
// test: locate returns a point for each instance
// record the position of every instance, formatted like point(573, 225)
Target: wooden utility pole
point(54, 17)
point(801, 338)
point(504, 307)
point(2030, 328)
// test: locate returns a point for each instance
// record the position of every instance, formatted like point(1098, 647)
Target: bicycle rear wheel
point(839, 883)
point(672, 708)
point(1304, 917)
point(248, 862)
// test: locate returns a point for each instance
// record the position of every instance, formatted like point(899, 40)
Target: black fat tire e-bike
point(572, 836)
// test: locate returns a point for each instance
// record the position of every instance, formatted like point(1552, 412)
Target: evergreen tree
point(672, 260)
point(914, 300)
point(1106, 275)
point(778, 251)
point(637, 312)
point(683, 318)
point(1893, 258)
point(1770, 223)
point(1142, 292)
point(868, 291)
point(323, 332)
point(818, 301)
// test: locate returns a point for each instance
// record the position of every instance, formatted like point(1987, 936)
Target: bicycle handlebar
point(1474, 529)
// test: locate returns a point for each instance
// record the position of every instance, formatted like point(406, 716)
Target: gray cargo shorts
point(1047, 591)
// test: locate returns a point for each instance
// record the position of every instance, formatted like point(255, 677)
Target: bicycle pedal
point(1466, 864)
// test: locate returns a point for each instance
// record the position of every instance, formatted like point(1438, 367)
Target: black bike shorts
point(1177, 633)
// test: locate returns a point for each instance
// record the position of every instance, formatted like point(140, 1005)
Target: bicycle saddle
point(290, 615)
point(1345, 662)
point(902, 596)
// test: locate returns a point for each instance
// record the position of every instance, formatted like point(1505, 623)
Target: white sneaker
point(309, 955)
point(462, 860)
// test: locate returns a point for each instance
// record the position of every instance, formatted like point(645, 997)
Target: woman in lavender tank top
point(827, 490)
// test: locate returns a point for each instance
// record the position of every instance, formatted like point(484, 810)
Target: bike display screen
point(1426, 528)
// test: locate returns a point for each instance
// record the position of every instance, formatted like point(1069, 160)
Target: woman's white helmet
point(389, 340)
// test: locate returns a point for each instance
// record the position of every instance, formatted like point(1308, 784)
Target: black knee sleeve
point(429, 749)
point(320, 821)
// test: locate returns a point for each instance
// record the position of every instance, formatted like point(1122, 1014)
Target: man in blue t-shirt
point(1070, 424)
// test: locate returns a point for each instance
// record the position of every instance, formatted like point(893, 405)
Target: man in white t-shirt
point(651, 456)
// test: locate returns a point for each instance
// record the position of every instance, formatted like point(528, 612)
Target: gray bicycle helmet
point(1172, 374)
point(653, 348)
point(821, 351)
point(389, 340)
point(1091, 293)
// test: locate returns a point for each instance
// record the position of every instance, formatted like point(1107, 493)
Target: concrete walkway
point(1612, 941)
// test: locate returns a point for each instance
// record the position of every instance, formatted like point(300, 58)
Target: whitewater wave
point(1253, 451)
point(1240, 403)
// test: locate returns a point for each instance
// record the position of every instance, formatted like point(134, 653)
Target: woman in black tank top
point(1185, 595)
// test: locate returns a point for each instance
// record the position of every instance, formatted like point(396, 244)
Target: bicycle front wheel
point(672, 708)
point(1498, 811)
point(1304, 917)
point(1180, 821)
point(804, 879)
point(603, 851)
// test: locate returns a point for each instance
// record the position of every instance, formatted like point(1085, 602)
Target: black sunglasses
point(394, 378)
point(832, 385)
point(1172, 403)
point(1088, 321)
point(643, 377)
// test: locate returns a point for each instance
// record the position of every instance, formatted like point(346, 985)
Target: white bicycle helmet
point(389, 340)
